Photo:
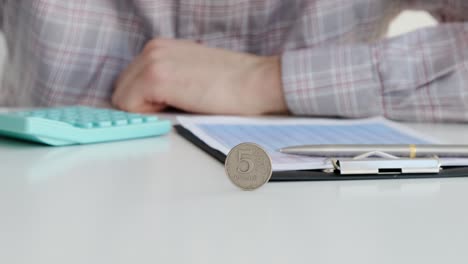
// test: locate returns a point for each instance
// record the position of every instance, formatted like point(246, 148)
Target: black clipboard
point(318, 175)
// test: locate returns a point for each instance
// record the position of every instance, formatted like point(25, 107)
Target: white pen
point(401, 150)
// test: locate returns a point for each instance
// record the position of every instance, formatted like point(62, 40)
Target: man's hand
point(200, 79)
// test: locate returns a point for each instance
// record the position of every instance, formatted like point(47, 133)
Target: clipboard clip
point(381, 163)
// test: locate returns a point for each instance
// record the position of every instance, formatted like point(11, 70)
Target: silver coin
point(248, 166)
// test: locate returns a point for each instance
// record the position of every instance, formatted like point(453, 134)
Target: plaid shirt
point(334, 60)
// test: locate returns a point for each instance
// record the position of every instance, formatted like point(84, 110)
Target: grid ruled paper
point(223, 133)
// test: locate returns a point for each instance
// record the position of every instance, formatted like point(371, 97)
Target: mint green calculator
point(79, 125)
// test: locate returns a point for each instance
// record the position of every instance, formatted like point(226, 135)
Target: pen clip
point(378, 163)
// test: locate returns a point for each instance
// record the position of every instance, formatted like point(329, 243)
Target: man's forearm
point(200, 79)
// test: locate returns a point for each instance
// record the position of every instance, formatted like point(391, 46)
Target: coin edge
point(262, 149)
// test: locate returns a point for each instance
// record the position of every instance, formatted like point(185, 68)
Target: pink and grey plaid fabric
point(334, 60)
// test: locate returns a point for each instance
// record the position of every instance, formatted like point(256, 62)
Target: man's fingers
point(130, 73)
point(142, 94)
point(148, 108)
point(127, 99)
point(133, 102)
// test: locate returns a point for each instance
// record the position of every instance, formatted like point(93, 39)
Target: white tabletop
point(162, 200)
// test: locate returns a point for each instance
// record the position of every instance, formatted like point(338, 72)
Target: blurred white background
point(406, 22)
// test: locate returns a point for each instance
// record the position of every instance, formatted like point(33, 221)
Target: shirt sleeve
point(420, 76)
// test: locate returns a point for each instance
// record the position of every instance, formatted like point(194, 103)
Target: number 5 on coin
point(243, 159)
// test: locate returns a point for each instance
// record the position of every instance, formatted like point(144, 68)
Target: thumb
point(149, 107)
point(132, 99)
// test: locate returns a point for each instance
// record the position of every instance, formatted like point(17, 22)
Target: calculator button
point(149, 119)
point(102, 118)
point(103, 123)
point(120, 122)
point(84, 124)
point(67, 119)
point(136, 120)
point(71, 114)
point(118, 116)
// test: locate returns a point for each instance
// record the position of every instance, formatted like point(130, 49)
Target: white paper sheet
point(223, 133)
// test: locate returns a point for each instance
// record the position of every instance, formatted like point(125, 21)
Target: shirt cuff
point(340, 81)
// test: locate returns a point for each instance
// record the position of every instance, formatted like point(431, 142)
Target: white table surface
point(162, 200)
